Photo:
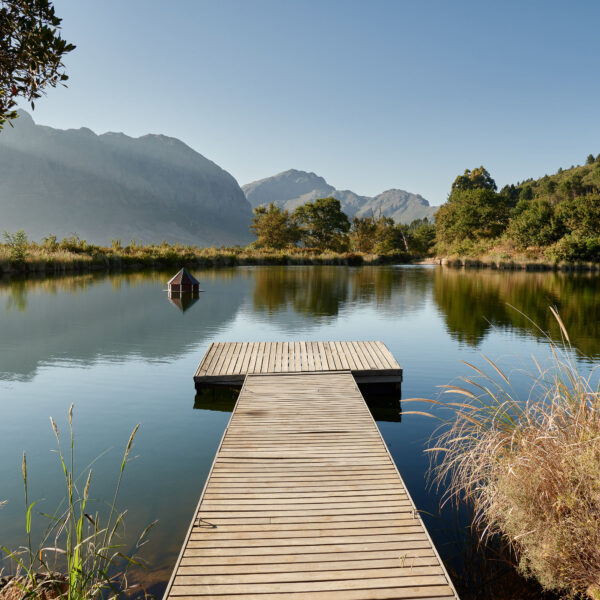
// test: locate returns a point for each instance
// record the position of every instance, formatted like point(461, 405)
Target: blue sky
point(371, 95)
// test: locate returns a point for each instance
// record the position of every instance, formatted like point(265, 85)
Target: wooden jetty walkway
point(228, 363)
point(304, 502)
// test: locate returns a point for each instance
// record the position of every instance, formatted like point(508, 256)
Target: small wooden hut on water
point(184, 281)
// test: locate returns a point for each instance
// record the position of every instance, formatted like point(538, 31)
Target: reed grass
point(529, 467)
point(79, 555)
point(73, 254)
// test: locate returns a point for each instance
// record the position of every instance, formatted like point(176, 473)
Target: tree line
point(323, 226)
point(557, 216)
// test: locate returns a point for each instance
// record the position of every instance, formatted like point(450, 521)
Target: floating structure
point(228, 363)
point(184, 282)
point(304, 501)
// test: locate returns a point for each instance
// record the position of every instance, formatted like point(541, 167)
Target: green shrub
point(17, 244)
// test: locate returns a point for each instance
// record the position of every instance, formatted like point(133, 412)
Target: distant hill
point(293, 188)
point(151, 188)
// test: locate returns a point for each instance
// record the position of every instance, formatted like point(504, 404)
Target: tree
point(323, 225)
point(31, 53)
point(390, 237)
point(476, 179)
point(421, 234)
point(581, 215)
point(471, 214)
point(526, 193)
point(17, 244)
point(534, 223)
point(274, 227)
point(590, 159)
point(362, 235)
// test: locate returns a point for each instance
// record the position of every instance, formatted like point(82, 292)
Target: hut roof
point(184, 277)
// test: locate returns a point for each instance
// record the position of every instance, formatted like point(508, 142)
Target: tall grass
point(530, 467)
point(79, 556)
point(75, 254)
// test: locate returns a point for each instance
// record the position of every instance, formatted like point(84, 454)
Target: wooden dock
point(228, 363)
point(304, 502)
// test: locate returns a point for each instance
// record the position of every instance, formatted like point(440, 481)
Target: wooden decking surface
point(304, 502)
point(230, 362)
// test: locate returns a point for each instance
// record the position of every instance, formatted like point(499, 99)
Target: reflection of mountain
point(82, 319)
point(90, 317)
point(96, 317)
point(474, 301)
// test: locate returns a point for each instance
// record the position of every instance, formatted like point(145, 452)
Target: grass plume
point(530, 467)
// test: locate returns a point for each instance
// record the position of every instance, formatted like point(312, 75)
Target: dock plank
point(229, 362)
point(304, 500)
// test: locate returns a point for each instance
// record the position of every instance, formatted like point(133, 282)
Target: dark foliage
point(31, 53)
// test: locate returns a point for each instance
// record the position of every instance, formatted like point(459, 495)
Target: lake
point(122, 353)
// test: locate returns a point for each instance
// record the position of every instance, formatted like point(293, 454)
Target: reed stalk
point(529, 467)
point(79, 556)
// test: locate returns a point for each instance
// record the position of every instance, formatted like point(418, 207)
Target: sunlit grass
point(77, 255)
point(529, 467)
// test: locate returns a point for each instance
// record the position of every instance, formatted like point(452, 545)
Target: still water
point(122, 353)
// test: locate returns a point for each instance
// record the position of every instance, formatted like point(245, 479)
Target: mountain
point(402, 206)
point(293, 188)
point(151, 188)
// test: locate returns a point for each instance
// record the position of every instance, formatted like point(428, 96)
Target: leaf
point(28, 517)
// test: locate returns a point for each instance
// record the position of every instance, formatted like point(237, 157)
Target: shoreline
point(213, 259)
point(514, 265)
point(83, 264)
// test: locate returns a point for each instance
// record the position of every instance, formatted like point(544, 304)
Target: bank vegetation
point(318, 233)
point(530, 468)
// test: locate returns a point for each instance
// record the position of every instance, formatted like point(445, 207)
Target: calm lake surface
point(122, 353)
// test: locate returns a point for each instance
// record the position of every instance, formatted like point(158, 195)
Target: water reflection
point(89, 317)
point(325, 291)
point(136, 356)
point(111, 317)
point(475, 301)
point(219, 398)
point(183, 300)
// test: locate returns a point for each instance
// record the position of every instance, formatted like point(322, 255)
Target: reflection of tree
point(374, 282)
point(324, 290)
point(18, 296)
point(315, 291)
point(473, 301)
point(468, 304)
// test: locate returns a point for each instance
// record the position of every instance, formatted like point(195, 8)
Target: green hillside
point(555, 217)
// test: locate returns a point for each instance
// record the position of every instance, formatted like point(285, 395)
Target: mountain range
point(293, 188)
point(150, 188)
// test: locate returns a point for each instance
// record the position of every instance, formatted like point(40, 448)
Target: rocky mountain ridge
point(293, 188)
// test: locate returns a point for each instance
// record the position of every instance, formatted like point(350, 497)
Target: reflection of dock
point(304, 501)
point(228, 363)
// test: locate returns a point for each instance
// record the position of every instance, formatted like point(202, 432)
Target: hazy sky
point(371, 95)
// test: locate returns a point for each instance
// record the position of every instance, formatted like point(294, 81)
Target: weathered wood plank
point(297, 508)
point(225, 362)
